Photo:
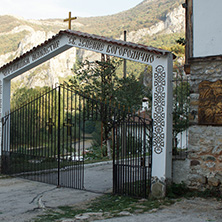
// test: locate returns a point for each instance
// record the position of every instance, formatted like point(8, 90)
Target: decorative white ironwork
point(159, 109)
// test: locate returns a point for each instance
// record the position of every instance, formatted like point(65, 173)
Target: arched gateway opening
point(161, 62)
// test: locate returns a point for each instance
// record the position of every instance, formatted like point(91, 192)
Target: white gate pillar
point(6, 96)
point(162, 124)
point(5, 90)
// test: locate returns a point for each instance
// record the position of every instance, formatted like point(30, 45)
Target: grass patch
point(102, 159)
point(106, 206)
point(181, 190)
point(2, 176)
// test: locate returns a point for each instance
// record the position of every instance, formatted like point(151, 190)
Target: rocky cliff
point(174, 22)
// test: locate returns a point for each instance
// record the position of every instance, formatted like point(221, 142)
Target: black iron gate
point(132, 156)
point(44, 140)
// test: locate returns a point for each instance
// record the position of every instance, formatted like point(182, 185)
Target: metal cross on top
point(69, 126)
point(49, 125)
point(70, 19)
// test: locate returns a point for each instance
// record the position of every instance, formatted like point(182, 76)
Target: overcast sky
point(43, 9)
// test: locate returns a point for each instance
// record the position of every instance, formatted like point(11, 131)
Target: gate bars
point(132, 157)
point(43, 143)
point(44, 140)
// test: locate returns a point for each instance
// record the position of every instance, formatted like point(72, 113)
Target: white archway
point(160, 60)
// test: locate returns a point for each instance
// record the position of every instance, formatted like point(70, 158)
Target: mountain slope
point(158, 22)
point(144, 15)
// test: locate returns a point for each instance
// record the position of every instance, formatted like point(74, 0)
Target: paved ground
point(98, 177)
point(21, 200)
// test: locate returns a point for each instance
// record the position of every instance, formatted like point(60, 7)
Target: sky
point(44, 9)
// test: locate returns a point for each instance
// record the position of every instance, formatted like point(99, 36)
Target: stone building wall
point(200, 71)
point(204, 162)
point(205, 155)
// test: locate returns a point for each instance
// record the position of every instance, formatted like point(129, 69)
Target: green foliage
point(10, 42)
point(96, 135)
point(109, 205)
point(165, 41)
point(178, 50)
point(24, 94)
point(78, 61)
point(213, 192)
point(30, 114)
point(135, 68)
point(90, 126)
point(99, 80)
point(134, 145)
point(131, 92)
point(27, 118)
point(95, 153)
point(181, 190)
point(177, 190)
point(20, 163)
point(181, 41)
point(181, 104)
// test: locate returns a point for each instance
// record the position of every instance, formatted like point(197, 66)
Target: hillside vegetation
point(143, 15)
point(9, 22)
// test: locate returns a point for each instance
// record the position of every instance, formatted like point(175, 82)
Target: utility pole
point(124, 124)
point(124, 61)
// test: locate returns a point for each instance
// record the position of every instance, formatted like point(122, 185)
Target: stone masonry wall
point(181, 171)
point(205, 155)
point(205, 142)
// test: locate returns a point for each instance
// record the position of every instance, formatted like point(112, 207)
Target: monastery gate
point(161, 62)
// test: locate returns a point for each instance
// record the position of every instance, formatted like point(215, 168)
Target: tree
point(24, 94)
point(31, 111)
point(181, 93)
point(181, 104)
point(181, 41)
point(99, 80)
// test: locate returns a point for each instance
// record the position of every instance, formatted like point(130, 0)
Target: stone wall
point(181, 170)
point(200, 71)
point(205, 141)
point(205, 155)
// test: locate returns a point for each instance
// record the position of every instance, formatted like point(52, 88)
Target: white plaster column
point(162, 123)
point(5, 89)
point(1, 90)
